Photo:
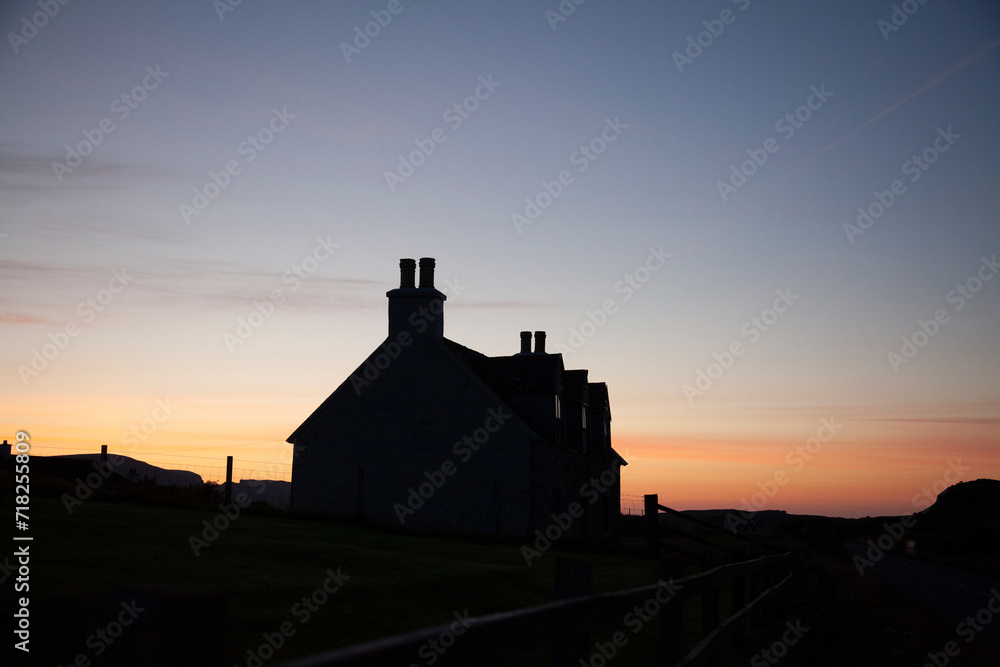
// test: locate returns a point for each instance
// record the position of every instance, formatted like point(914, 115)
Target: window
point(583, 417)
point(560, 424)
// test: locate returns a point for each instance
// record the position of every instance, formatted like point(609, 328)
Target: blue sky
point(343, 125)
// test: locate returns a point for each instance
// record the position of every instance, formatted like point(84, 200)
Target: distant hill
point(961, 528)
point(275, 493)
point(764, 520)
point(980, 499)
point(964, 522)
point(62, 474)
point(134, 470)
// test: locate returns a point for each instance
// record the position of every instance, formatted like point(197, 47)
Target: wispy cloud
point(189, 284)
point(981, 421)
point(8, 317)
point(499, 305)
point(25, 171)
point(195, 284)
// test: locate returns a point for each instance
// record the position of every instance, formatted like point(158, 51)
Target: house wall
point(561, 476)
point(538, 410)
point(405, 426)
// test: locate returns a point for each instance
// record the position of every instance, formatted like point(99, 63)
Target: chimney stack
point(416, 309)
point(525, 342)
point(539, 342)
point(426, 272)
point(407, 271)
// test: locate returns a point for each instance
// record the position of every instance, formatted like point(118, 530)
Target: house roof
point(462, 357)
point(499, 377)
point(518, 379)
point(598, 392)
point(520, 373)
point(575, 386)
point(535, 373)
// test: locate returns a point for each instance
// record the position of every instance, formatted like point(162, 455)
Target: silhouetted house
point(430, 434)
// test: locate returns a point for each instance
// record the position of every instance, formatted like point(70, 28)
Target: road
point(948, 592)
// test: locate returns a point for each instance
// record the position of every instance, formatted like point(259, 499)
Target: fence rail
point(565, 625)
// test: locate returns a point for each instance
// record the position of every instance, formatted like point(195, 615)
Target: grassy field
point(261, 566)
point(251, 579)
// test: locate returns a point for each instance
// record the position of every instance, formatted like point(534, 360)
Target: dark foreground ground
point(968, 600)
point(248, 580)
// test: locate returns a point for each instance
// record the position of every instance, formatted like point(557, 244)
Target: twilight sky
point(759, 223)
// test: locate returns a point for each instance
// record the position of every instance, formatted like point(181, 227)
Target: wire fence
point(269, 481)
point(632, 505)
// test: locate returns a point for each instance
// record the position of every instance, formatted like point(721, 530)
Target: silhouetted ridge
point(980, 498)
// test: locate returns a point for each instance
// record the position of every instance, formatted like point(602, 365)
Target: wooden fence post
point(573, 579)
point(229, 478)
point(754, 579)
point(710, 600)
point(652, 519)
point(672, 617)
point(739, 592)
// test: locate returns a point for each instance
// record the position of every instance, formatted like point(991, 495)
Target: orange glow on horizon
point(845, 477)
point(855, 473)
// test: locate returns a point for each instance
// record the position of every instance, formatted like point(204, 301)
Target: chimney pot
point(539, 342)
point(525, 342)
point(427, 272)
point(407, 271)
